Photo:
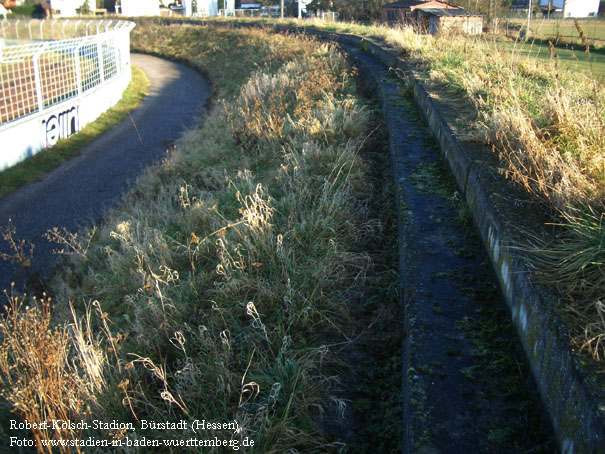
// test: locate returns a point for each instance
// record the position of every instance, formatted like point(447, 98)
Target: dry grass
point(547, 124)
point(226, 274)
point(51, 374)
point(546, 121)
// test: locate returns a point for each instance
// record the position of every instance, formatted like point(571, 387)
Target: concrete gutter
point(573, 399)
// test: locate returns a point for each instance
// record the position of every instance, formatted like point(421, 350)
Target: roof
point(402, 4)
point(418, 4)
point(435, 4)
point(448, 12)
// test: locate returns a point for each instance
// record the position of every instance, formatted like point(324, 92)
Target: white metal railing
point(46, 62)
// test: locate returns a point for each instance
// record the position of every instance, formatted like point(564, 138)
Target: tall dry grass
point(226, 274)
point(547, 124)
point(52, 374)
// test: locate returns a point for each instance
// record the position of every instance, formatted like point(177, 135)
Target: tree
point(355, 10)
point(321, 5)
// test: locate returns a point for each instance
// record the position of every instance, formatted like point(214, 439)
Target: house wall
point(134, 8)
point(67, 8)
point(581, 8)
point(210, 7)
point(470, 25)
point(395, 15)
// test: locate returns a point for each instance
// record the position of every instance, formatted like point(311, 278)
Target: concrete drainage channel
point(466, 386)
point(573, 401)
point(459, 361)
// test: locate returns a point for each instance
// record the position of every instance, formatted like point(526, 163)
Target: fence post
point(77, 68)
point(100, 56)
point(37, 79)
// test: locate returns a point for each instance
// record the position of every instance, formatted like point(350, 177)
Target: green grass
point(34, 168)
point(572, 58)
point(564, 29)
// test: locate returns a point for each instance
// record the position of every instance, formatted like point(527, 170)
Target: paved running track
point(78, 192)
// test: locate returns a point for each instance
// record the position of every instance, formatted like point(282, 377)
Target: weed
point(22, 251)
point(49, 373)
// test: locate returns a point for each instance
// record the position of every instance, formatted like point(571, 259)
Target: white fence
point(56, 76)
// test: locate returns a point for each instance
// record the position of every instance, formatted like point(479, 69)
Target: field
point(573, 59)
point(559, 29)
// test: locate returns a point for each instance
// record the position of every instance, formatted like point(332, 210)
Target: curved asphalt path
point(78, 192)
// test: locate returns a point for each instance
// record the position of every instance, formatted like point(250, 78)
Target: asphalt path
point(81, 190)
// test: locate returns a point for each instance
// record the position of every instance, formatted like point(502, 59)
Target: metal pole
point(37, 78)
point(77, 67)
point(100, 60)
point(528, 20)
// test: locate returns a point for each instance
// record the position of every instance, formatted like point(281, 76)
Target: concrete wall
point(470, 25)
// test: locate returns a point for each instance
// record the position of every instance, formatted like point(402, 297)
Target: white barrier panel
point(34, 133)
point(49, 90)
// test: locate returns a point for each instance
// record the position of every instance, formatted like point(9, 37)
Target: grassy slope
point(228, 271)
point(38, 165)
